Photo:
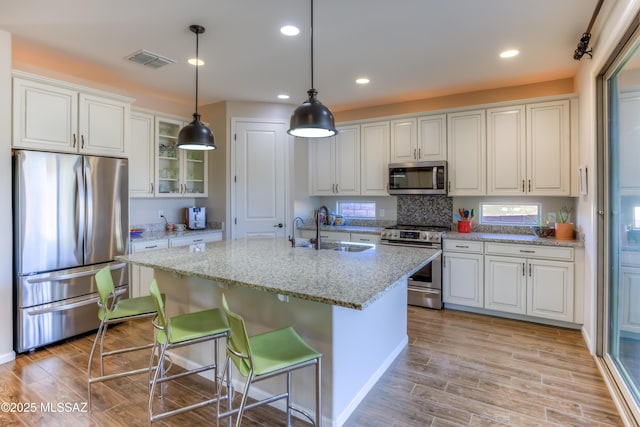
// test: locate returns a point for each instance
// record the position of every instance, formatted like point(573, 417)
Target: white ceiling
point(410, 49)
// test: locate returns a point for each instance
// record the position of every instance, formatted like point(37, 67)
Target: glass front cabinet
point(179, 173)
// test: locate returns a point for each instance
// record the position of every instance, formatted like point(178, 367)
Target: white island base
point(357, 345)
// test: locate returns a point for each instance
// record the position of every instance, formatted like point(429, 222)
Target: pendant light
point(312, 119)
point(195, 135)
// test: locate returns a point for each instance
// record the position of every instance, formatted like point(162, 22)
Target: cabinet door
point(103, 126)
point(550, 289)
point(347, 158)
point(548, 144)
point(432, 138)
point(168, 161)
point(505, 284)
point(404, 140)
point(141, 163)
point(374, 150)
point(321, 167)
point(629, 314)
point(466, 146)
point(462, 278)
point(506, 151)
point(45, 117)
point(194, 172)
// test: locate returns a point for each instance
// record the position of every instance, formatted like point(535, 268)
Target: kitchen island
point(351, 306)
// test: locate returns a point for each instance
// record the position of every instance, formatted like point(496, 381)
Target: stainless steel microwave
point(418, 178)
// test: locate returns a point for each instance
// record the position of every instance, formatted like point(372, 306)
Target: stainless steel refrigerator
point(71, 215)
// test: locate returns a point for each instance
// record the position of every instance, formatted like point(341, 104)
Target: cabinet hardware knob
point(419, 154)
point(82, 140)
point(523, 185)
point(527, 252)
point(529, 186)
point(74, 140)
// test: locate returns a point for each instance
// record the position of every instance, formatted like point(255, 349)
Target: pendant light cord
point(197, 66)
point(312, 44)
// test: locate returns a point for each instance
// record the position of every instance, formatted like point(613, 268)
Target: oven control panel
point(411, 236)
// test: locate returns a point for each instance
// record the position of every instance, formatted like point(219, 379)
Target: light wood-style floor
point(459, 369)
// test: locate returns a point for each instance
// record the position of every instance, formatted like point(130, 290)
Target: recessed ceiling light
point(283, 96)
point(362, 81)
point(509, 53)
point(194, 61)
point(290, 30)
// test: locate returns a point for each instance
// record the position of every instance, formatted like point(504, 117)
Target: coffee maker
point(196, 218)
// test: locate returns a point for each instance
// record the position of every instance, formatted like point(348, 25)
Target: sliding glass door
point(620, 340)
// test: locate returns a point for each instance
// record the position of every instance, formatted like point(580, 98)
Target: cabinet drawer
point(470, 246)
point(329, 235)
point(630, 258)
point(530, 251)
point(150, 245)
point(365, 238)
point(198, 238)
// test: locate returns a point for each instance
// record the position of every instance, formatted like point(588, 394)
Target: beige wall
point(536, 90)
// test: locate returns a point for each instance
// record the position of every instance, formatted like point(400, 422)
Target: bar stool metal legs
point(179, 331)
point(115, 310)
point(264, 356)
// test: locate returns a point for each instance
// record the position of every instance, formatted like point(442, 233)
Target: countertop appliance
point(196, 218)
point(418, 178)
point(70, 220)
point(425, 285)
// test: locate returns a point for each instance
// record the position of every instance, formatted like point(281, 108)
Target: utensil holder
point(464, 226)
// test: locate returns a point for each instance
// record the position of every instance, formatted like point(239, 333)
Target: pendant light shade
point(312, 119)
point(195, 135)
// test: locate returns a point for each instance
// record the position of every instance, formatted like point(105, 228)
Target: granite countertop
point(514, 238)
point(163, 234)
point(348, 279)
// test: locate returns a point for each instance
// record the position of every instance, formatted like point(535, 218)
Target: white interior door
point(260, 179)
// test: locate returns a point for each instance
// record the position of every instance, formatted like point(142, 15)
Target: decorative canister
point(339, 220)
point(464, 226)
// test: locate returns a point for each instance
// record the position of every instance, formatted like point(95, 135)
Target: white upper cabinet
point(466, 146)
point(334, 163)
point(404, 140)
point(432, 138)
point(548, 148)
point(374, 159)
point(179, 173)
point(55, 116)
point(506, 151)
point(419, 139)
point(141, 159)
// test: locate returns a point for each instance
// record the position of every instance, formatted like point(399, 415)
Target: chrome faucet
point(292, 238)
point(317, 218)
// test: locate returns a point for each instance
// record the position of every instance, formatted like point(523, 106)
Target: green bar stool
point(112, 309)
point(179, 331)
point(264, 356)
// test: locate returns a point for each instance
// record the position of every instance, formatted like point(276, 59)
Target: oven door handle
point(435, 291)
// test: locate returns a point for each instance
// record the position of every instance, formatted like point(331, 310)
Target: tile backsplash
point(425, 210)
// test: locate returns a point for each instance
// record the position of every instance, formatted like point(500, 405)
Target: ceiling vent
point(149, 59)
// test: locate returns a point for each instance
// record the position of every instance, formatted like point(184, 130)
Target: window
point(636, 217)
point(357, 209)
point(509, 214)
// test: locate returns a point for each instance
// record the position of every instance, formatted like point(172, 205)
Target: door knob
point(279, 225)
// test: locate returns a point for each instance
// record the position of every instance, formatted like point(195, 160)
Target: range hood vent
point(149, 59)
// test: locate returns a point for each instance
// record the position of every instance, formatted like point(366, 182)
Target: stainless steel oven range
point(425, 286)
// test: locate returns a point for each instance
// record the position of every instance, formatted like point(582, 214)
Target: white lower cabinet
point(527, 285)
point(342, 236)
point(196, 239)
point(141, 277)
point(462, 273)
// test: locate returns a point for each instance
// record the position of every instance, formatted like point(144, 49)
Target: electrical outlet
point(381, 213)
point(551, 217)
point(160, 214)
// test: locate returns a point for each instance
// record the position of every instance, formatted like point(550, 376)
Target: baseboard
point(7, 357)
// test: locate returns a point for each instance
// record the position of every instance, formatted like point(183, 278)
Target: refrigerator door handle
point(91, 272)
point(88, 226)
point(62, 306)
point(80, 210)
